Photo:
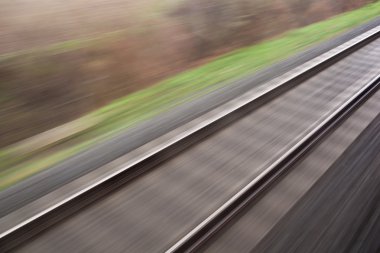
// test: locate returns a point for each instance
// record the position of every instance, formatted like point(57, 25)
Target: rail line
point(192, 133)
point(200, 234)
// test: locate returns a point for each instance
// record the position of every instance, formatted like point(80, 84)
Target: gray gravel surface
point(152, 212)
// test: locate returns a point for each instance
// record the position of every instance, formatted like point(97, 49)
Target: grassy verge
point(147, 103)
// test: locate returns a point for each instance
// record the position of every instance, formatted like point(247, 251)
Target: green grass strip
point(142, 105)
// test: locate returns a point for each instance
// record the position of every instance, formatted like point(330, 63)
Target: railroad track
point(296, 211)
point(170, 177)
point(200, 234)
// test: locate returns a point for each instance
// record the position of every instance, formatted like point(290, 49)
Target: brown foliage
point(44, 89)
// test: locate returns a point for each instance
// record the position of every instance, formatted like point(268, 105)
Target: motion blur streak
point(161, 206)
point(137, 126)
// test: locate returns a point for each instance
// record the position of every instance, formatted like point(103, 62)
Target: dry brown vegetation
point(153, 39)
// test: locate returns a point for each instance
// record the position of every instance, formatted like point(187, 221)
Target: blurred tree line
point(43, 88)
